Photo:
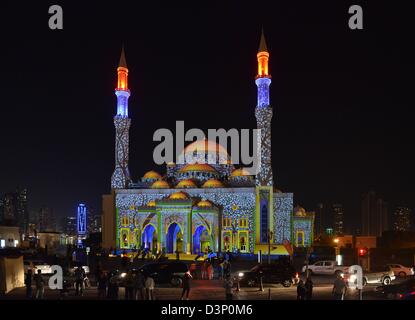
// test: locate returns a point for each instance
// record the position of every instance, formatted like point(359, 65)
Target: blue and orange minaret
point(263, 114)
point(121, 175)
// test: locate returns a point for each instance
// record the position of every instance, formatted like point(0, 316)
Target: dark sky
point(342, 99)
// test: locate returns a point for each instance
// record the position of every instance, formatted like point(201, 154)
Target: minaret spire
point(121, 175)
point(123, 61)
point(262, 43)
point(263, 113)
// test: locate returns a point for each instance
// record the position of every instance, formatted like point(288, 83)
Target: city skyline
point(325, 150)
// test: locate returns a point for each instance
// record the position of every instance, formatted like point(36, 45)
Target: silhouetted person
point(186, 285)
point(28, 284)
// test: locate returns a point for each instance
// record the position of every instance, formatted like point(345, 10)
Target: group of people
point(39, 282)
point(137, 286)
point(305, 289)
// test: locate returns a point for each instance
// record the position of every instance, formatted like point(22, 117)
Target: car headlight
point(240, 274)
point(123, 274)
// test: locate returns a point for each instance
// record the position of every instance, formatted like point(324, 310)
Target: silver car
point(384, 276)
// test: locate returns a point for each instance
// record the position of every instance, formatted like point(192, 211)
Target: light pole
point(269, 236)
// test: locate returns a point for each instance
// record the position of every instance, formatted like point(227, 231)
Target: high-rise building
point(45, 220)
point(22, 211)
point(10, 208)
point(94, 223)
point(338, 218)
point(402, 219)
point(70, 226)
point(374, 215)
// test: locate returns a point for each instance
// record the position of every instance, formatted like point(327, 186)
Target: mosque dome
point(160, 184)
point(178, 196)
point(240, 172)
point(151, 203)
point(206, 146)
point(204, 203)
point(152, 175)
point(200, 167)
point(213, 183)
point(187, 183)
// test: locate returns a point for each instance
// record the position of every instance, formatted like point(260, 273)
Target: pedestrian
point(226, 268)
point(229, 288)
point(339, 288)
point(308, 288)
point(102, 285)
point(186, 285)
point(149, 284)
point(301, 291)
point(139, 286)
point(79, 280)
point(221, 270)
point(210, 271)
point(113, 288)
point(129, 286)
point(204, 270)
point(28, 284)
point(40, 285)
point(177, 255)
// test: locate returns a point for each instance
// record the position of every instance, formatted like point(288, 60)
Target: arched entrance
point(174, 239)
point(149, 237)
point(201, 240)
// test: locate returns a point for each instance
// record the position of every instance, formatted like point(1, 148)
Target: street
point(214, 290)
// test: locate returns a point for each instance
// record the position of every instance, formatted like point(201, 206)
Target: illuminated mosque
point(196, 206)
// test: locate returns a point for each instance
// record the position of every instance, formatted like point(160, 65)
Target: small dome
point(160, 184)
point(201, 167)
point(178, 196)
point(204, 203)
point(151, 203)
point(152, 175)
point(212, 183)
point(300, 211)
point(240, 172)
point(187, 183)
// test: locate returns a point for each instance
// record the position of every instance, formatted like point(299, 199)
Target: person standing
point(308, 288)
point(28, 284)
point(139, 286)
point(229, 287)
point(339, 288)
point(301, 291)
point(40, 285)
point(129, 286)
point(149, 284)
point(79, 280)
point(102, 285)
point(210, 271)
point(186, 285)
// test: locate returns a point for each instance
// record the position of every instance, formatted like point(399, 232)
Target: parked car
point(162, 273)
point(284, 274)
point(398, 290)
point(37, 265)
point(327, 267)
point(401, 271)
point(384, 276)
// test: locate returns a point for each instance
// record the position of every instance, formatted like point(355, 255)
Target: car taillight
point(400, 295)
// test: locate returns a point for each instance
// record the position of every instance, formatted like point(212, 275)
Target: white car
point(37, 265)
point(400, 270)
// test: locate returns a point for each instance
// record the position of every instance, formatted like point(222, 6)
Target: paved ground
point(213, 290)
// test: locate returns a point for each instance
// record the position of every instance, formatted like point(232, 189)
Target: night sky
point(342, 99)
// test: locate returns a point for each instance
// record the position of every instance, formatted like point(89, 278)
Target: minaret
point(121, 176)
point(263, 114)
